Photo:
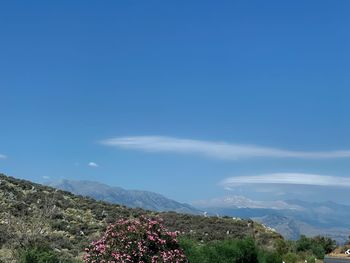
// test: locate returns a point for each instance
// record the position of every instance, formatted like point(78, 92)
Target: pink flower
point(143, 240)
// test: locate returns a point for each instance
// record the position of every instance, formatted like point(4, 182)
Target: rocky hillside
point(32, 213)
point(117, 195)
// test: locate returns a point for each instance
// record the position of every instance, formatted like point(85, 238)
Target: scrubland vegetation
point(44, 225)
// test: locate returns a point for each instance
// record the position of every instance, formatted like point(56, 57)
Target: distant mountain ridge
point(130, 198)
point(291, 218)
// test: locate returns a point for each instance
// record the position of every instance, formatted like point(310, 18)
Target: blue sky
point(273, 75)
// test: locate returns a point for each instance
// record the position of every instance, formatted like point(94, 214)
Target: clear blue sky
point(271, 74)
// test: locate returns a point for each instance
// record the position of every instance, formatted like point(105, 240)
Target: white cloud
point(2, 156)
point(92, 164)
point(287, 179)
point(46, 177)
point(219, 150)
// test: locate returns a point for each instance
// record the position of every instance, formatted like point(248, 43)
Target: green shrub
point(318, 245)
point(225, 251)
point(290, 258)
point(327, 243)
point(38, 255)
point(281, 247)
point(269, 257)
point(311, 259)
point(318, 251)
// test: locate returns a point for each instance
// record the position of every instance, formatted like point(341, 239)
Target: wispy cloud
point(2, 156)
point(219, 150)
point(93, 164)
point(288, 179)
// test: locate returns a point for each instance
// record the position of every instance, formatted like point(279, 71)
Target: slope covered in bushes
point(35, 214)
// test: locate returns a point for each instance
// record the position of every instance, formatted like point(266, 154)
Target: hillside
point(32, 213)
point(130, 198)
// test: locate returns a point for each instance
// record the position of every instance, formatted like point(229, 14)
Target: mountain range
point(291, 218)
point(130, 198)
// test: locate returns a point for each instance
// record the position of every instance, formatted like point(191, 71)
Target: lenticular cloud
point(288, 179)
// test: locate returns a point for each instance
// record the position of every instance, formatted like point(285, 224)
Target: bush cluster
point(318, 246)
point(226, 251)
point(305, 248)
point(41, 254)
point(141, 240)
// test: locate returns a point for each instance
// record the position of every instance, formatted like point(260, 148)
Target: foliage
point(40, 254)
point(305, 248)
point(290, 257)
point(229, 251)
point(282, 247)
point(311, 259)
point(318, 245)
point(326, 243)
point(266, 256)
point(136, 240)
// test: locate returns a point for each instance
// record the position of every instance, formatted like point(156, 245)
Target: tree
point(318, 246)
point(326, 243)
point(136, 240)
point(303, 244)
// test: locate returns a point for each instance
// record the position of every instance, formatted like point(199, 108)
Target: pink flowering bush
point(142, 240)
